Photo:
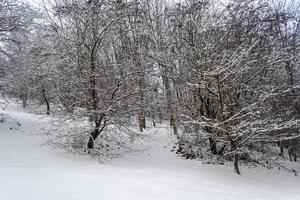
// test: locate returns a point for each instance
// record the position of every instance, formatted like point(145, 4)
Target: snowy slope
point(32, 171)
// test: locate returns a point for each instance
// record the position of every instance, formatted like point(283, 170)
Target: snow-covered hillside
point(30, 170)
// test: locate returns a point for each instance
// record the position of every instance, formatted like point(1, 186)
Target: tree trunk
point(213, 146)
point(142, 120)
point(236, 155)
point(24, 98)
point(170, 102)
point(141, 98)
point(97, 131)
point(141, 88)
point(93, 137)
point(46, 100)
point(290, 154)
point(173, 124)
point(153, 119)
point(236, 164)
point(281, 150)
point(24, 102)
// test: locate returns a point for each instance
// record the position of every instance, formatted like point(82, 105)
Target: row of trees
point(225, 76)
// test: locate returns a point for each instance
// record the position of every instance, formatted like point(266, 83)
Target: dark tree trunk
point(236, 155)
point(293, 154)
point(24, 98)
point(141, 97)
point(24, 102)
point(290, 154)
point(93, 137)
point(153, 119)
point(93, 104)
point(236, 164)
point(96, 132)
point(173, 124)
point(281, 150)
point(142, 120)
point(213, 146)
point(169, 98)
point(46, 100)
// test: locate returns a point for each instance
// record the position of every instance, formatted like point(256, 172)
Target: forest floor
point(30, 170)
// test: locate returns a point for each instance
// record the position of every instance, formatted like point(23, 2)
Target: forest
point(223, 76)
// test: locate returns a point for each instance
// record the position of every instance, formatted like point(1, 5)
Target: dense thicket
point(224, 75)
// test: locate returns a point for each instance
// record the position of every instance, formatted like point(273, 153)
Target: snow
point(30, 170)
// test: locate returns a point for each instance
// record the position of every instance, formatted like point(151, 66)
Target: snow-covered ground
point(32, 171)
